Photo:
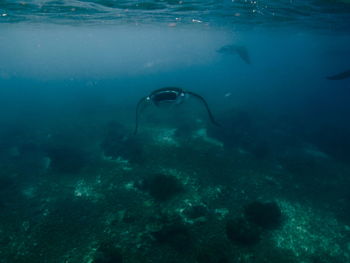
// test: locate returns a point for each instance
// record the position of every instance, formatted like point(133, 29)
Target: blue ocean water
point(269, 183)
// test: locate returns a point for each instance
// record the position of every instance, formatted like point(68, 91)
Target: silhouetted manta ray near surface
point(170, 95)
point(241, 51)
point(339, 76)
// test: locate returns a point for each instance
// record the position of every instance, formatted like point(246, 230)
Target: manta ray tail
point(206, 106)
point(137, 114)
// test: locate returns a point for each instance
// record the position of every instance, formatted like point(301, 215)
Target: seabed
point(171, 198)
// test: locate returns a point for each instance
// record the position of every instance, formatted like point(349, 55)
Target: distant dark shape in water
point(340, 76)
point(117, 144)
point(66, 159)
point(241, 51)
point(170, 96)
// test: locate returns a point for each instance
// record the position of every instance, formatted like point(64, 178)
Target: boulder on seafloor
point(175, 234)
point(265, 215)
point(108, 253)
point(243, 232)
point(161, 187)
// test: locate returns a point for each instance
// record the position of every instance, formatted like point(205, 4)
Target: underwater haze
point(174, 131)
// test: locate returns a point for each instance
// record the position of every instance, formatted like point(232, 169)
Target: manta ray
point(170, 95)
point(241, 51)
point(339, 76)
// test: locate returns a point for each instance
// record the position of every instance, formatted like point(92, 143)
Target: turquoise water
point(266, 179)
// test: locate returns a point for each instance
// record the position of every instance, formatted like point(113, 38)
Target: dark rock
point(265, 215)
point(130, 217)
point(196, 211)
point(108, 253)
point(161, 187)
point(207, 257)
point(176, 235)
point(243, 232)
point(213, 252)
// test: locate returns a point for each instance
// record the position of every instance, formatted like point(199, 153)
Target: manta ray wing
point(241, 51)
point(339, 76)
point(243, 54)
